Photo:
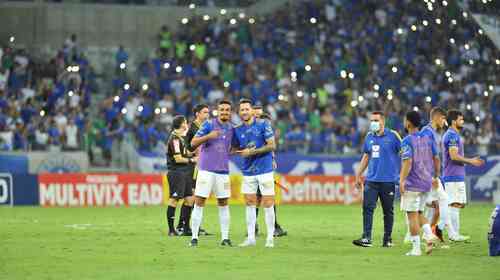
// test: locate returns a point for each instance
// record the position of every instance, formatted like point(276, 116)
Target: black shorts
point(192, 176)
point(180, 184)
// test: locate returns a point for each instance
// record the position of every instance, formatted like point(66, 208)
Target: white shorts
point(437, 194)
point(456, 192)
point(413, 201)
point(210, 182)
point(264, 182)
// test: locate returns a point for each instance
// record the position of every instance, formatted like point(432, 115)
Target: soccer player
point(215, 137)
point(381, 156)
point(494, 232)
point(254, 139)
point(278, 230)
point(201, 113)
point(437, 196)
point(454, 168)
point(419, 160)
point(178, 163)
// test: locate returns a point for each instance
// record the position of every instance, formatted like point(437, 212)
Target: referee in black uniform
point(179, 177)
point(201, 113)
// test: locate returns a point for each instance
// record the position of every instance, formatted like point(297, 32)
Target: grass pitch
point(131, 243)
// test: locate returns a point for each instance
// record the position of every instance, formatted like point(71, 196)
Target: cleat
point(247, 243)
point(226, 242)
point(173, 233)
point(414, 253)
point(459, 238)
point(279, 232)
point(187, 232)
point(362, 242)
point(193, 243)
point(269, 243)
point(429, 243)
point(387, 243)
point(204, 232)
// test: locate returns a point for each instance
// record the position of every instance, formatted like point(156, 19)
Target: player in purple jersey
point(419, 161)
point(454, 163)
point(214, 138)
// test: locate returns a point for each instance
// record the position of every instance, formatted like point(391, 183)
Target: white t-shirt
point(483, 141)
point(213, 66)
point(61, 121)
point(4, 77)
point(41, 138)
point(71, 132)
point(7, 137)
point(74, 100)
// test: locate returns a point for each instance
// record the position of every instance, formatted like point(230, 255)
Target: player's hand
point(435, 183)
point(477, 161)
point(402, 189)
point(359, 182)
point(214, 134)
point(246, 152)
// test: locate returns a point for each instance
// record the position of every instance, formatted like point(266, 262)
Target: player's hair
point(438, 111)
point(453, 116)
point(265, 116)
point(199, 107)
point(380, 113)
point(225, 101)
point(257, 107)
point(245, 101)
point(177, 122)
point(414, 118)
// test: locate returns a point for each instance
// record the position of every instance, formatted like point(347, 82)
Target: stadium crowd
point(318, 68)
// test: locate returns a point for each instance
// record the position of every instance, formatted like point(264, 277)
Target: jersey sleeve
point(397, 141)
point(174, 146)
point(434, 147)
point(205, 129)
point(406, 149)
point(268, 130)
point(451, 140)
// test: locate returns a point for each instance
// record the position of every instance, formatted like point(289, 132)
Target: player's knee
point(173, 202)
point(222, 201)
point(268, 201)
point(200, 202)
point(189, 201)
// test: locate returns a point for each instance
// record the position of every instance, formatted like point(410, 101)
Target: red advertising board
point(318, 189)
point(81, 190)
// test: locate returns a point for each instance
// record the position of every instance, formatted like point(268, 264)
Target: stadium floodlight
point(465, 15)
point(192, 47)
point(428, 99)
point(140, 108)
point(466, 46)
point(226, 84)
point(206, 17)
point(215, 113)
point(471, 62)
point(361, 98)
point(308, 68)
point(390, 97)
point(351, 75)
point(415, 108)
point(117, 98)
point(184, 20)
point(281, 97)
point(242, 15)
point(166, 65)
point(450, 80)
point(233, 21)
point(390, 91)
point(376, 94)
point(376, 87)
point(76, 68)
point(163, 110)
point(157, 111)
point(343, 74)
point(486, 93)
point(251, 20)
point(12, 39)
point(413, 28)
point(300, 93)
point(69, 69)
point(480, 31)
point(42, 113)
point(445, 3)
point(454, 21)
point(313, 20)
point(452, 40)
point(354, 103)
point(124, 111)
point(490, 87)
point(178, 69)
point(123, 65)
point(223, 11)
point(145, 87)
point(469, 107)
point(192, 6)
point(70, 93)
point(497, 61)
point(293, 74)
point(126, 86)
point(394, 69)
point(400, 31)
point(438, 61)
point(438, 21)
point(478, 119)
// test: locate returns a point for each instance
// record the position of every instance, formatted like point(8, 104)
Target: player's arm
point(178, 157)
point(361, 170)
point(204, 134)
point(406, 161)
point(455, 156)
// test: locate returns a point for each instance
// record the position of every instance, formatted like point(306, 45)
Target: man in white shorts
point(419, 160)
point(254, 141)
point(215, 137)
point(454, 168)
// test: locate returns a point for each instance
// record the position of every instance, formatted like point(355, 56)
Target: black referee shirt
point(176, 146)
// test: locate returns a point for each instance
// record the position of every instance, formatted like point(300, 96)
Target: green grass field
point(131, 243)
